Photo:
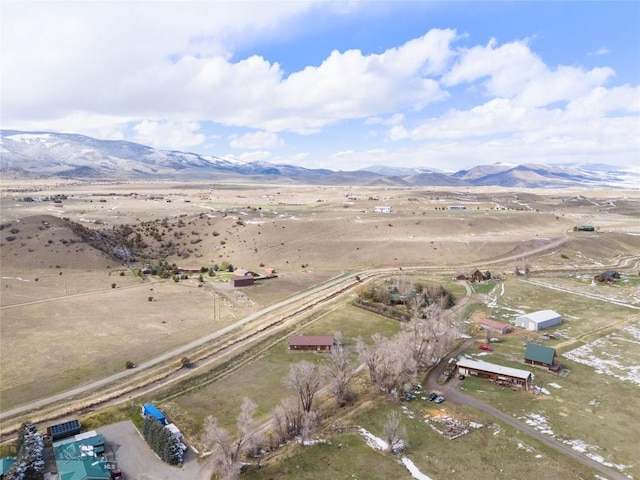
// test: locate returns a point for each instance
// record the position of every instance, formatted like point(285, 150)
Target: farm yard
point(84, 328)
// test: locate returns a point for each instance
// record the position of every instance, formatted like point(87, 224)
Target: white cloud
point(602, 51)
point(169, 135)
point(256, 140)
point(513, 71)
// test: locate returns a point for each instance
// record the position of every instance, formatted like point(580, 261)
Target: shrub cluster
point(161, 441)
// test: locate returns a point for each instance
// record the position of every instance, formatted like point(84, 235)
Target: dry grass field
point(71, 313)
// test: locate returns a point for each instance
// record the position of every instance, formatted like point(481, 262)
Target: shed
point(151, 409)
point(498, 373)
point(382, 209)
point(539, 320)
point(541, 355)
point(64, 430)
point(242, 281)
point(492, 325)
point(318, 343)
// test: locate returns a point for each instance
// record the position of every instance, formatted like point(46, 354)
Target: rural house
point(539, 320)
point(610, 276)
point(382, 209)
point(477, 276)
point(499, 374)
point(81, 457)
point(494, 326)
point(314, 343)
point(243, 281)
point(541, 355)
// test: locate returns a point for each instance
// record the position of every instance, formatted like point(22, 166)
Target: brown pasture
point(70, 326)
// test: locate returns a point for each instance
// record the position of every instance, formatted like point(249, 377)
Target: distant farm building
point(586, 228)
point(243, 281)
point(269, 271)
point(539, 320)
point(499, 374)
point(315, 343)
point(81, 457)
point(456, 207)
point(382, 209)
point(149, 409)
point(477, 276)
point(541, 355)
point(241, 272)
point(494, 326)
point(610, 276)
point(189, 269)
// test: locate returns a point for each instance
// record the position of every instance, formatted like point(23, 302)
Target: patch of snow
point(413, 470)
point(373, 441)
point(555, 385)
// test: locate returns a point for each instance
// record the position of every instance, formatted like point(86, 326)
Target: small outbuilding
point(541, 355)
point(242, 272)
point(539, 320)
point(315, 343)
point(64, 430)
point(382, 209)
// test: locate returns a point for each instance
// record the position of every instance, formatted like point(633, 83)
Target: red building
point(314, 343)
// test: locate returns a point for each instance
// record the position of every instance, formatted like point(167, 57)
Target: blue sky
point(329, 84)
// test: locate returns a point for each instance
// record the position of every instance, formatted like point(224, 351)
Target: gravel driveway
point(125, 445)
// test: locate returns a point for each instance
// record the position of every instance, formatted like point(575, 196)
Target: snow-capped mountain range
point(46, 154)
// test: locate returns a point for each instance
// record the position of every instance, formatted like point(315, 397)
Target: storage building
point(499, 374)
point(541, 355)
point(494, 326)
point(242, 281)
point(539, 320)
point(64, 430)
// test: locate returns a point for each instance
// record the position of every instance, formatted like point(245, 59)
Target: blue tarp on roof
point(5, 464)
point(151, 409)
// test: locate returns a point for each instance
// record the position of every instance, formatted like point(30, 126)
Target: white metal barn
point(539, 320)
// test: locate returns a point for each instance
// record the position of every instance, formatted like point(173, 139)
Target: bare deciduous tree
point(310, 423)
point(227, 452)
point(394, 432)
point(305, 378)
point(287, 419)
point(340, 371)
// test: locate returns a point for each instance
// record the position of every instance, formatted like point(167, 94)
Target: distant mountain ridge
point(62, 155)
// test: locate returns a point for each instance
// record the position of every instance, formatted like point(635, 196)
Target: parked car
point(460, 376)
point(486, 348)
point(116, 474)
point(439, 400)
point(432, 397)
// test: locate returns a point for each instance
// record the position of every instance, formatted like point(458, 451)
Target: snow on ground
point(413, 470)
point(379, 444)
point(601, 354)
point(15, 278)
point(540, 423)
point(555, 385)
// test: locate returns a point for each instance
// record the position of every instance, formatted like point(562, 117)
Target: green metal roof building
point(540, 355)
point(79, 458)
point(5, 465)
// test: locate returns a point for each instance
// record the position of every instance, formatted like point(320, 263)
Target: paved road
point(452, 394)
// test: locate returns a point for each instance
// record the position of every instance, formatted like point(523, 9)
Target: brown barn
point(499, 374)
point(498, 327)
point(315, 343)
point(189, 269)
point(242, 281)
